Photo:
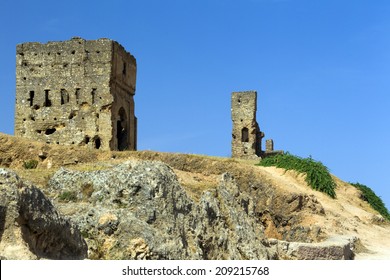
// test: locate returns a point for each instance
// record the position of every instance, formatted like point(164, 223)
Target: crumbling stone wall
point(246, 136)
point(76, 92)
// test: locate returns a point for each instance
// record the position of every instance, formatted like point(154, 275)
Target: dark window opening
point(31, 99)
point(73, 52)
point(36, 107)
point(124, 68)
point(87, 139)
point(47, 99)
point(50, 131)
point(244, 135)
point(64, 97)
point(97, 143)
point(122, 130)
point(72, 115)
point(93, 93)
point(77, 94)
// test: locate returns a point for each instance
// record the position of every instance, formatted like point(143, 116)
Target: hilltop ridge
point(276, 206)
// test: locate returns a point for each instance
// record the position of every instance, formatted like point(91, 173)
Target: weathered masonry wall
point(246, 135)
point(76, 92)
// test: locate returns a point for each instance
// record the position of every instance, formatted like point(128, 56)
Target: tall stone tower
point(246, 137)
point(76, 92)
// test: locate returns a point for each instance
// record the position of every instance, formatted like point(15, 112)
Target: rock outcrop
point(138, 210)
point(30, 226)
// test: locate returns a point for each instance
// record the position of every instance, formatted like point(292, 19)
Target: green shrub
point(374, 200)
point(317, 175)
point(30, 164)
point(68, 196)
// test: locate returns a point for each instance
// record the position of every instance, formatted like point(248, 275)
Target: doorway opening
point(122, 133)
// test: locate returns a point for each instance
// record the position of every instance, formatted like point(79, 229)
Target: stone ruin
point(247, 136)
point(81, 92)
point(76, 92)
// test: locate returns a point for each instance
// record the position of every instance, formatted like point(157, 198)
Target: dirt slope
point(346, 215)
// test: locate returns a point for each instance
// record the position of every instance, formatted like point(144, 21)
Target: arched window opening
point(64, 97)
point(97, 142)
point(244, 135)
point(122, 130)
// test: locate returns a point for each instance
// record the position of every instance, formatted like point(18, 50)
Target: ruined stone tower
point(246, 137)
point(76, 92)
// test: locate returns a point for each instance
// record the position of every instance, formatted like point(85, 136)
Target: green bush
point(317, 175)
point(30, 164)
point(68, 196)
point(374, 200)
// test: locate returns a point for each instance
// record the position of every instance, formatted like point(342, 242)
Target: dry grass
point(347, 214)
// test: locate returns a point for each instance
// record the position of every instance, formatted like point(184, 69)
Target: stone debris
point(335, 248)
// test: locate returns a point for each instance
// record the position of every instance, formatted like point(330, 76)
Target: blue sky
point(321, 69)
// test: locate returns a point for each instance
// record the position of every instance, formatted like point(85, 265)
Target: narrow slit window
point(93, 93)
point(31, 98)
point(77, 94)
point(47, 99)
point(124, 70)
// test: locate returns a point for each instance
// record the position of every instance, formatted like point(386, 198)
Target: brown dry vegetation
point(347, 214)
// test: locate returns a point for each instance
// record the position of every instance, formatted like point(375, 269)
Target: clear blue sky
point(321, 69)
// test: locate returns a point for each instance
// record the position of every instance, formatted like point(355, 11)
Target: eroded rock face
point(138, 210)
point(30, 226)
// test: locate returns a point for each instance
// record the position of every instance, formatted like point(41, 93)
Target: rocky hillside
point(78, 203)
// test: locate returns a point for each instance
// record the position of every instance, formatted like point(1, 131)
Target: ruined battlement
point(76, 92)
point(246, 134)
